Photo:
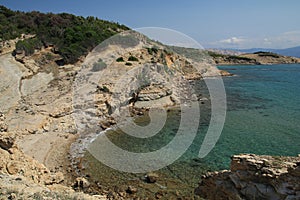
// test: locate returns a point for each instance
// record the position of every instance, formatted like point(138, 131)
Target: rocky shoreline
point(39, 118)
point(37, 126)
point(254, 177)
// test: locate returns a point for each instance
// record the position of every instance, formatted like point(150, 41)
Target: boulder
point(81, 183)
point(6, 140)
point(151, 177)
point(131, 190)
point(254, 177)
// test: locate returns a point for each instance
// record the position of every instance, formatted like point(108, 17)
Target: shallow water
point(262, 118)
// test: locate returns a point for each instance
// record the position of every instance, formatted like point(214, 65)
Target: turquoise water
point(263, 111)
point(263, 117)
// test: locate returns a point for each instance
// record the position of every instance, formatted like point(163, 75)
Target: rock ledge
point(254, 177)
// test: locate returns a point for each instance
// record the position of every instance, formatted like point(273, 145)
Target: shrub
point(270, 54)
point(120, 59)
point(152, 50)
point(71, 35)
point(132, 58)
point(29, 45)
point(240, 58)
point(104, 89)
point(128, 64)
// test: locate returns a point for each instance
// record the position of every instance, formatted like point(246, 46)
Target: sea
point(263, 117)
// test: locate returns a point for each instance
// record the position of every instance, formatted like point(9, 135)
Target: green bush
point(128, 64)
point(120, 59)
point(270, 54)
point(104, 89)
point(132, 58)
point(240, 58)
point(29, 45)
point(152, 50)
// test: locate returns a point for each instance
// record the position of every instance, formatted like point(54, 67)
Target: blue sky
point(213, 23)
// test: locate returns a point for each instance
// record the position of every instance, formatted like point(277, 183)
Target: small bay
point(263, 117)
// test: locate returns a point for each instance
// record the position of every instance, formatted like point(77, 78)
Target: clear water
point(263, 117)
point(264, 111)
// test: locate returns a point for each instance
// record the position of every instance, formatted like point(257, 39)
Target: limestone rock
point(3, 125)
point(254, 177)
point(81, 183)
point(13, 187)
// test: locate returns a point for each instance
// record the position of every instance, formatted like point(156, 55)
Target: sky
point(212, 23)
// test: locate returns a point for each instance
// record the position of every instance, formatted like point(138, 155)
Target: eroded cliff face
point(254, 177)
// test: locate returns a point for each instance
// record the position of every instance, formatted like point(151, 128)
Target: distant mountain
point(294, 51)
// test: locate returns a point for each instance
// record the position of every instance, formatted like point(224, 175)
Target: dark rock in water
point(151, 177)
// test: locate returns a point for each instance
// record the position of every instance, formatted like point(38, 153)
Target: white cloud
point(284, 40)
point(233, 40)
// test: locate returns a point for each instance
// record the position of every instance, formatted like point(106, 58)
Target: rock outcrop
point(259, 58)
point(15, 162)
point(254, 177)
point(16, 187)
point(22, 177)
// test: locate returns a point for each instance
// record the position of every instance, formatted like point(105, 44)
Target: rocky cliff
point(254, 177)
point(36, 129)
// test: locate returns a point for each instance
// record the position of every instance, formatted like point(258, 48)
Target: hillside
point(70, 36)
